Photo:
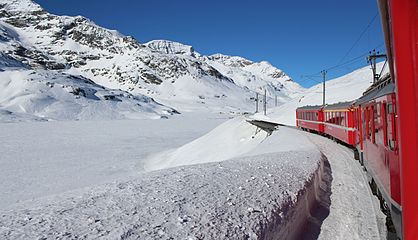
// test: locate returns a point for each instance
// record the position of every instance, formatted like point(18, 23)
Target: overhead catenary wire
point(346, 63)
point(340, 63)
point(359, 38)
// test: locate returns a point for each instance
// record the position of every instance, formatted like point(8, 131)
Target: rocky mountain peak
point(169, 47)
point(231, 61)
point(20, 6)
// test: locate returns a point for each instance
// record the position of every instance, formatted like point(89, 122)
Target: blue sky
point(299, 37)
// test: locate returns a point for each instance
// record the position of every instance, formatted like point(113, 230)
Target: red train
point(382, 125)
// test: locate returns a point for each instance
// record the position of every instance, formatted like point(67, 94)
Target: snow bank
point(260, 195)
point(228, 140)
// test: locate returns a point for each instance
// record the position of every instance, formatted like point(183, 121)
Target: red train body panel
point(377, 136)
point(400, 25)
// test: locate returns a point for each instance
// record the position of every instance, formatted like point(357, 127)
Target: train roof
point(383, 87)
point(340, 105)
point(309, 107)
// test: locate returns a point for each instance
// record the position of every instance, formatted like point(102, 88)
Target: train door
point(392, 152)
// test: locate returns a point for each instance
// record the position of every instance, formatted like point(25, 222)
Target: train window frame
point(364, 123)
point(368, 134)
point(392, 139)
point(372, 124)
point(384, 119)
point(346, 119)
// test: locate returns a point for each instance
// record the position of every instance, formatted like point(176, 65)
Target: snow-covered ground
point(230, 139)
point(251, 196)
point(43, 158)
point(354, 212)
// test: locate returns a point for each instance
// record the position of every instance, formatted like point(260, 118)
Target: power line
point(310, 77)
point(359, 38)
point(349, 62)
point(353, 59)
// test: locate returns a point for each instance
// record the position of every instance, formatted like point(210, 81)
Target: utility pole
point(265, 102)
point(275, 100)
point(324, 73)
point(372, 60)
point(256, 102)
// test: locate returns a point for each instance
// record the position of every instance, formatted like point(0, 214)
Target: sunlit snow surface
point(237, 198)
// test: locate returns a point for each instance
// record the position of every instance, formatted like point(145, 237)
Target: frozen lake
point(44, 158)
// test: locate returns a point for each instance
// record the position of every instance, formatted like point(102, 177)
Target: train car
point(378, 143)
point(400, 27)
point(339, 122)
point(310, 118)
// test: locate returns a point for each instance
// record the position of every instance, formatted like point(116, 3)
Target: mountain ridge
point(171, 73)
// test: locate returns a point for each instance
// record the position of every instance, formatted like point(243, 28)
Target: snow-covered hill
point(47, 95)
point(171, 73)
point(30, 93)
point(346, 88)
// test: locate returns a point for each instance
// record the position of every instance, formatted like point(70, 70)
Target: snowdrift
point(230, 139)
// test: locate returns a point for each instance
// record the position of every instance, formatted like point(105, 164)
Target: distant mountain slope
point(346, 88)
point(30, 93)
point(46, 95)
point(169, 72)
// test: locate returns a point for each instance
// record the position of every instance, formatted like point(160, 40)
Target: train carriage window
point(391, 126)
point(367, 112)
point(346, 119)
point(372, 123)
point(385, 124)
point(365, 125)
point(337, 118)
point(343, 119)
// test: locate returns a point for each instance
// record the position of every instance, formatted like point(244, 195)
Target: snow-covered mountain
point(30, 90)
point(169, 72)
point(256, 76)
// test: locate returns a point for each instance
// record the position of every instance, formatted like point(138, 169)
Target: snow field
point(252, 196)
point(44, 158)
